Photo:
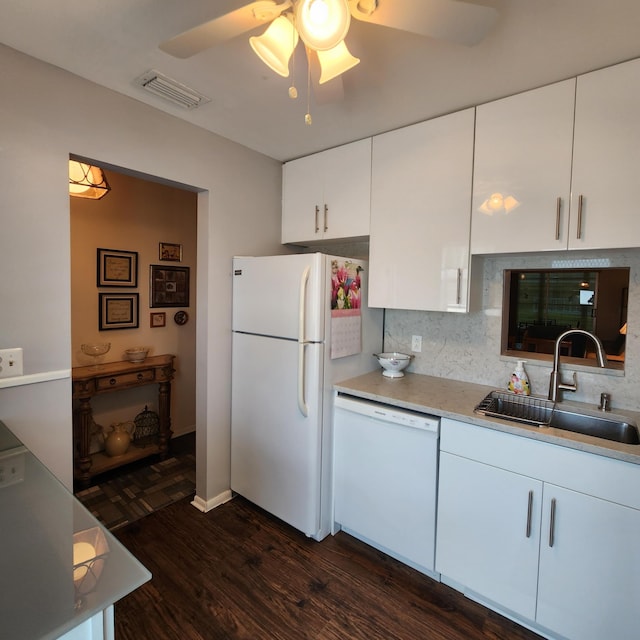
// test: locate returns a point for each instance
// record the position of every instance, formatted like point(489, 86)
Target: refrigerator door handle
point(302, 401)
point(304, 281)
point(302, 320)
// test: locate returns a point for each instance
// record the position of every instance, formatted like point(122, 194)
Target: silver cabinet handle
point(552, 521)
point(326, 217)
point(558, 208)
point(459, 286)
point(580, 207)
point(529, 513)
point(317, 212)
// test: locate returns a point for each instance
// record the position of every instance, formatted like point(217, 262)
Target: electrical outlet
point(10, 362)
point(416, 344)
point(11, 468)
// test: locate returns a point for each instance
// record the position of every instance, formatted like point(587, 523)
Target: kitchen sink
point(610, 427)
point(541, 412)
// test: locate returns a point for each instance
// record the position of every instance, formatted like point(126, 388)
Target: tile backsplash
point(467, 346)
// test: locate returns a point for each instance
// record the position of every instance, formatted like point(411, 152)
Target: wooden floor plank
point(239, 573)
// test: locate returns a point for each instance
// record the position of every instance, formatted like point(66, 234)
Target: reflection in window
point(541, 305)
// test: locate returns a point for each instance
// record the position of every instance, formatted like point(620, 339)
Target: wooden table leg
point(83, 435)
point(164, 412)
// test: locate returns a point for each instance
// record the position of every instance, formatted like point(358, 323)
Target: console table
point(108, 378)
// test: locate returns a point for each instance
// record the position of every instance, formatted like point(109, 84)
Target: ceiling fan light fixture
point(87, 181)
point(275, 46)
point(322, 24)
point(335, 62)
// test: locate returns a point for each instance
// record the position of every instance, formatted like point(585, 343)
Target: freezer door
point(272, 294)
point(275, 448)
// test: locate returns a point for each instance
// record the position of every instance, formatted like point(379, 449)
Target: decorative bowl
point(95, 350)
point(136, 354)
point(393, 363)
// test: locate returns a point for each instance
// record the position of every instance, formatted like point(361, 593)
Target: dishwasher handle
point(388, 413)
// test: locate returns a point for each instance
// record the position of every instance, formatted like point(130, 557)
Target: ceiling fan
point(322, 25)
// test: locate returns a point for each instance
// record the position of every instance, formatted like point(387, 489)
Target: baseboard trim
point(206, 505)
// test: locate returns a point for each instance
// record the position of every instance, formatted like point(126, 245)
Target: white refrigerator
point(289, 348)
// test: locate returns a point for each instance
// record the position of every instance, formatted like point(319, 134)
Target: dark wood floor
point(237, 572)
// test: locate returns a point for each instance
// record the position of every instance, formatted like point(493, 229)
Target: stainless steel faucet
point(555, 382)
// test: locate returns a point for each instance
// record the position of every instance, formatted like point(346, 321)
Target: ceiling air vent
point(170, 90)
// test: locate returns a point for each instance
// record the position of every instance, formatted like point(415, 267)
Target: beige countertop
point(457, 400)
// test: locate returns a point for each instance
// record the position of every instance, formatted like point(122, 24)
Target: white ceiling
point(402, 78)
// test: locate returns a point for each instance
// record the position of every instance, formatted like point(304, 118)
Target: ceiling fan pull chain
point(293, 92)
point(307, 116)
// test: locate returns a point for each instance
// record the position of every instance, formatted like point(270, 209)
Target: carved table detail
point(111, 377)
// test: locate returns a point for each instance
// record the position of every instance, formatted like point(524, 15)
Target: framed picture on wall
point(158, 319)
point(170, 252)
point(169, 286)
point(117, 268)
point(118, 311)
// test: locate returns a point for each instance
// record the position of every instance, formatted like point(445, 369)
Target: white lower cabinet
point(482, 542)
point(564, 560)
point(589, 582)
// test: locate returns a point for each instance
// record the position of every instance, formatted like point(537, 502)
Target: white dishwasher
point(385, 478)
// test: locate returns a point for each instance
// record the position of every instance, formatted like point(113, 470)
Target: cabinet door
point(606, 159)
point(522, 171)
point(420, 195)
point(302, 199)
point(589, 587)
point(488, 532)
point(327, 195)
point(347, 190)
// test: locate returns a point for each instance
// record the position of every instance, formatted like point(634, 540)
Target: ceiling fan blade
point(454, 20)
point(221, 29)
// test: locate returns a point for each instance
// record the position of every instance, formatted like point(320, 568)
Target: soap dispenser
point(519, 381)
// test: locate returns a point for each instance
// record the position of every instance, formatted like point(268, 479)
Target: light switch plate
point(10, 362)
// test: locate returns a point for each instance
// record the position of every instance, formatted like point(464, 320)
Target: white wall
point(467, 346)
point(45, 114)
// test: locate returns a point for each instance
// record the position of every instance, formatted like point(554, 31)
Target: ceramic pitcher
point(118, 440)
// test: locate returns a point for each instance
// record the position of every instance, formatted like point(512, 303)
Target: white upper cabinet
point(327, 196)
point(555, 168)
point(522, 171)
point(420, 198)
point(606, 159)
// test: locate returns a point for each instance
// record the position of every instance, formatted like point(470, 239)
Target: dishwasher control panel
point(388, 413)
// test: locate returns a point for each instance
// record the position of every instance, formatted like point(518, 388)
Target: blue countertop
point(44, 530)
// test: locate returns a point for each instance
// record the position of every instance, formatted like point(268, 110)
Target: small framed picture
point(118, 311)
point(170, 252)
point(117, 268)
point(158, 319)
point(169, 286)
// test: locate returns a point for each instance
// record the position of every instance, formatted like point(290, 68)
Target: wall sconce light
point(87, 181)
point(90, 552)
point(498, 203)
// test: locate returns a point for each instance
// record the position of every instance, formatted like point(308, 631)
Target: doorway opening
point(143, 222)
